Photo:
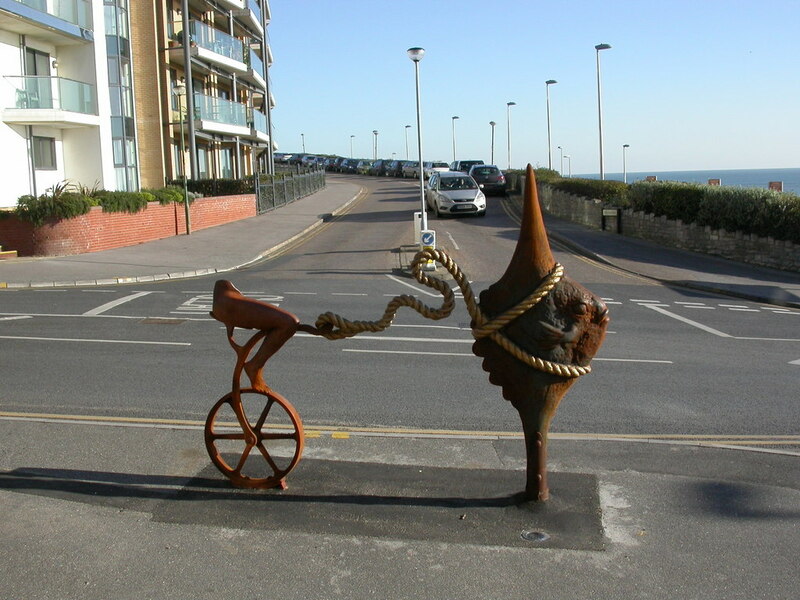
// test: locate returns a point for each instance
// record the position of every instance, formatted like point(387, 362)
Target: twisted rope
point(482, 327)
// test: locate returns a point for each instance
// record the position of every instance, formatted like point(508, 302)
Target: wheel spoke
point(260, 423)
point(227, 436)
point(279, 436)
point(243, 459)
point(268, 458)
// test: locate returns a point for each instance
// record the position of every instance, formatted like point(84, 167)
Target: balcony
point(251, 17)
point(210, 46)
point(255, 70)
point(58, 21)
point(217, 115)
point(258, 126)
point(55, 101)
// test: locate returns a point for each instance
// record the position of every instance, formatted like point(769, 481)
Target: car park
point(454, 193)
point(411, 169)
point(464, 165)
point(432, 167)
point(490, 178)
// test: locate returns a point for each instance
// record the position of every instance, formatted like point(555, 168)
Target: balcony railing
point(54, 93)
point(256, 64)
point(253, 5)
point(259, 121)
point(219, 110)
point(217, 41)
point(77, 12)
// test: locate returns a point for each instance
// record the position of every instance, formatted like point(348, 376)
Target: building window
point(44, 153)
point(226, 163)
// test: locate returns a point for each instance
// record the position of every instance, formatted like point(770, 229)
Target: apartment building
point(113, 94)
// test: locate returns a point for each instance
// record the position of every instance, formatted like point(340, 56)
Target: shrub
point(608, 191)
point(168, 195)
point(129, 202)
point(217, 187)
point(667, 198)
point(58, 205)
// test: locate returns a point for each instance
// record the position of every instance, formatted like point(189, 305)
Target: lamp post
point(407, 127)
point(561, 170)
point(453, 119)
point(598, 48)
point(416, 54)
point(303, 141)
point(492, 124)
point(351, 145)
point(569, 164)
point(624, 165)
point(547, 85)
point(374, 144)
point(180, 91)
point(508, 122)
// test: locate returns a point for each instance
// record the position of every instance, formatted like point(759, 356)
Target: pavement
point(371, 515)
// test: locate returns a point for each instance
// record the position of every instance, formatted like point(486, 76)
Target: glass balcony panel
point(259, 121)
point(54, 93)
point(256, 63)
point(254, 6)
point(220, 110)
point(77, 12)
point(217, 41)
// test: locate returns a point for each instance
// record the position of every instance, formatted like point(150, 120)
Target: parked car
point(454, 193)
point(432, 167)
point(411, 169)
point(363, 166)
point(395, 168)
point(379, 167)
point(464, 165)
point(490, 178)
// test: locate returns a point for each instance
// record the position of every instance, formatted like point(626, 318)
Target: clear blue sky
point(701, 84)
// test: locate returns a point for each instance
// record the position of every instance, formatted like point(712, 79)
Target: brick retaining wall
point(766, 252)
point(97, 230)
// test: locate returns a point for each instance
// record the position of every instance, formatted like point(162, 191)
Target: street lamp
point(561, 170)
point(624, 165)
point(492, 124)
point(453, 119)
point(508, 122)
point(351, 145)
point(569, 164)
point(303, 141)
point(416, 54)
point(375, 144)
point(598, 48)
point(180, 91)
point(547, 85)
point(407, 128)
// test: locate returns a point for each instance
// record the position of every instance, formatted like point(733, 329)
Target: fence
point(277, 190)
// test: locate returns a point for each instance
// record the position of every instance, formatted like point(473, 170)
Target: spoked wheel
point(264, 458)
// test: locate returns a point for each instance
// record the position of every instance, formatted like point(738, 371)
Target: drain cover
point(535, 536)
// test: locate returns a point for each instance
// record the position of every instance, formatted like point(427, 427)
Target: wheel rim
point(278, 438)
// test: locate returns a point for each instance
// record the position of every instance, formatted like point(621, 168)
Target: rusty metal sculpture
point(277, 421)
point(535, 329)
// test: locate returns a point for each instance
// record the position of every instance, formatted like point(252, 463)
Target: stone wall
point(97, 230)
point(766, 252)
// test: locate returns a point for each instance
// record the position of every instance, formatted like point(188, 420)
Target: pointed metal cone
point(532, 258)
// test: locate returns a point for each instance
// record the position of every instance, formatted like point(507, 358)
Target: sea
point(750, 178)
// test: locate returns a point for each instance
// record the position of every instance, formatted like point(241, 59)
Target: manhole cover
point(535, 536)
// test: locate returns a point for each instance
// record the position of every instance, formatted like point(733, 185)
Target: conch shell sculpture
point(561, 333)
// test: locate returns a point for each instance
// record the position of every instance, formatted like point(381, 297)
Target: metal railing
point(211, 108)
point(283, 188)
point(217, 41)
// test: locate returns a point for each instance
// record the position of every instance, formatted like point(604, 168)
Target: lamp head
point(602, 47)
point(416, 54)
point(550, 82)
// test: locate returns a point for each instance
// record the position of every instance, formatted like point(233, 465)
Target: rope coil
point(482, 327)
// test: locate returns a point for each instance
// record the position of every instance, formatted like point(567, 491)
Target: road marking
point(688, 321)
point(16, 318)
point(795, 362)
point(300, 293)
point(452, 240)
point(690, 303)
point(347, 294)
point(702, 307)
point(732, 306)
point(645, 301)
point(636, 360)
point(744, 309)
point(413, 287)
point(109, 305)
point(95, 341)
point(435, 327)
point(389, 338)
point(406, 352)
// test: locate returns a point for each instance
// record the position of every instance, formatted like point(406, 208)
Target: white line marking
point(15, 318)
point(744, 309)
point(732, 306)
point(636, 360)
point(44, 339)
point(691, 303)
point(388, 338)
point(346, 294)
point(300, 293)
point(646, 301)
point(703, 307)
point(452, 240)
point(109, 305)
point(406, 352)
point(413, 287)
point(795, 362)
point(688, 321)
point(435, 327)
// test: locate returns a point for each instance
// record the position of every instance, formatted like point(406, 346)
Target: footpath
point(137, 511)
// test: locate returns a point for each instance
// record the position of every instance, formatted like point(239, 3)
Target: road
point(675, 362)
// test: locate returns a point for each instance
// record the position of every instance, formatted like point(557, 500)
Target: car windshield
point(457, 183)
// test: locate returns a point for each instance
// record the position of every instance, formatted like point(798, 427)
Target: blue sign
point(428, 238)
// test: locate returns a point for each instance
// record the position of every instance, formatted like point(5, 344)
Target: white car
point(429, 168)
point(454, 193)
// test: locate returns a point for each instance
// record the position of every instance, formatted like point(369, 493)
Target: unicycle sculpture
point(254, 435)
